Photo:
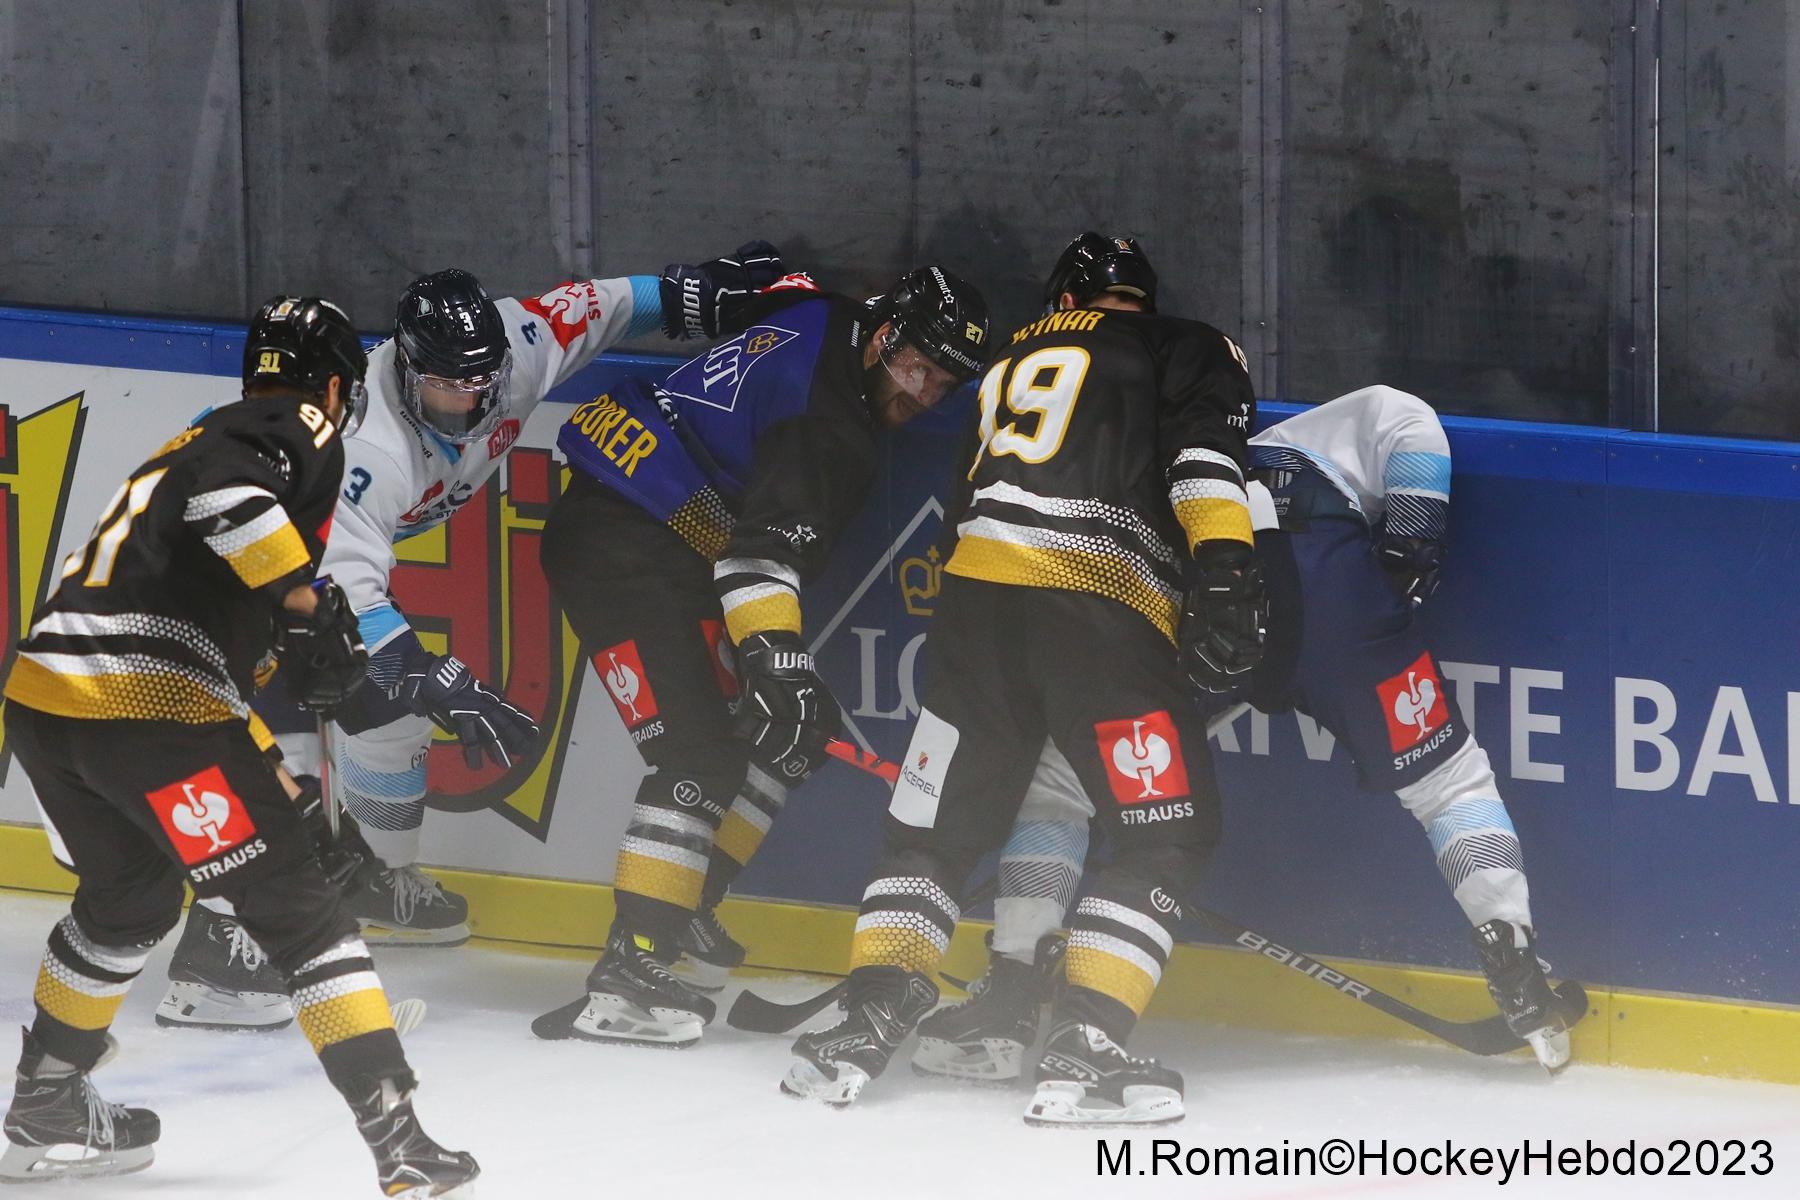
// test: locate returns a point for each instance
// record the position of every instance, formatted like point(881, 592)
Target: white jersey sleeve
point(1383, 448)
point(401, 479)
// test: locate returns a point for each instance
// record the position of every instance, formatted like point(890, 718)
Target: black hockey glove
point(701, 301)
point(1226, 618)
point(784, 709)
point(1412, 564)
point(321, 652)
point(339, 854)
point(439, 686)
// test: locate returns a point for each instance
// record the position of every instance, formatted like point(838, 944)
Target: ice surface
point(251, 1114)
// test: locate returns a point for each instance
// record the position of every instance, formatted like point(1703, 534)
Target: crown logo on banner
point(920, 579)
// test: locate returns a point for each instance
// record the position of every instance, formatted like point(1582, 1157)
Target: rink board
point(1614, 621)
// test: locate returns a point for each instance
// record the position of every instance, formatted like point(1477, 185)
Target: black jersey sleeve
point(1205, 407)
point(812, 474)
point(262, 490)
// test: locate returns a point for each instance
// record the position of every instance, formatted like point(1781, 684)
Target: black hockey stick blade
point(755, 1014)
point(558, 1024)
point(1490, 1035)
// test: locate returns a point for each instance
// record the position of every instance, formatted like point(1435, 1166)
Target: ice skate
point(1518, 981)
point(221, 979)
point(708, 953)
point(882, 1006)
point(1086, 1079)
point(632, 997)
point(986, 1036)
point(59, 1128)
point(403, 906)
point(408, 1164)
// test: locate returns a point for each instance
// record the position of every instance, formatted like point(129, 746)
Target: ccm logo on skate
point(1301, 963)
point(203, 818)
point(1143, 758)
point(622, 671)
point(1413, 703)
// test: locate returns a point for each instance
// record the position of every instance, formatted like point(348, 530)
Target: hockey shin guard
point(344, 1013)
point(381, 777)
point(80, 986)
point(741, 832)
point(1119, 942)
point(1472, 837)
point(906, 919)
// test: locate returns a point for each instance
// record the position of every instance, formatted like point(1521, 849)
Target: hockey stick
point(328, 775)
point(1490, 1035)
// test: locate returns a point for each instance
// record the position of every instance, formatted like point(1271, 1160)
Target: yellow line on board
point(1220, 985)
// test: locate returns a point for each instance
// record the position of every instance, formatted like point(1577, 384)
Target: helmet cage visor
point(458, 410)
point(356, 407)
point(919, 377)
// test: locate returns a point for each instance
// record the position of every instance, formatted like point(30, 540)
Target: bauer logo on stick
point(1413, 702)
point(202, 815)
point(1143, 758)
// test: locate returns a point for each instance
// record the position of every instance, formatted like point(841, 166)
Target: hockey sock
point(1040, 867)
point(905, 921)
point(1118, 946)
point(741, 832)
point(344, 1014)
point(79, 989)
point(1473, 838)
point(381, 778)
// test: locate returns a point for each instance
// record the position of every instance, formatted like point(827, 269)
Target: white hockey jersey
point(401, 479)
point(1381, 447)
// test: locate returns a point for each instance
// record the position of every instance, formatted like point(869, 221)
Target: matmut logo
point(1413, 703)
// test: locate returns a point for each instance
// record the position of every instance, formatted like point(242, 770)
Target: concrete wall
point(1458, 199)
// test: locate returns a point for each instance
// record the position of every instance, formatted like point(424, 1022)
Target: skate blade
point(40, 1164)
point(991, 1060)
point(1552, 1049)
point(462, 1191)
point(805, 1081)
point(609, 1018)
point(188, 1005)
point(1066, 1105)
point(702, 976)
point(376, 933)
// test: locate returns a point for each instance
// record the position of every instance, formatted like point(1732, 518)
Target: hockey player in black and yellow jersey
point(127, 706)
point(1104, 544)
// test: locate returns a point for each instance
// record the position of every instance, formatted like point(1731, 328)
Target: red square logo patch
point(202, 815)
point(622, 671)
point(724, 656)
point(1143, 758)
point(1413, 702)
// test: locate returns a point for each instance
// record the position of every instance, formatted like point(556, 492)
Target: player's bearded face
point(904, 383)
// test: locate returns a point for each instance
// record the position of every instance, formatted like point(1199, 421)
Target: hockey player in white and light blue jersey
point(1349, 501)
point(447, 397)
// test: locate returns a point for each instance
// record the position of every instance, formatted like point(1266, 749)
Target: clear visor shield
point(459, 410)
point(923, 382)
point(356, 406)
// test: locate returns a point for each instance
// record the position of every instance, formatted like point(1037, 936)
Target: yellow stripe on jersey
point(260, 557)
point(1108, 575)
point(1209, 518)
point(260, 733)
point(148, 695)
point(758, 609)
point(704, 523)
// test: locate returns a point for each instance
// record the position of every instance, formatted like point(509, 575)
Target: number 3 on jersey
point(1044, 384)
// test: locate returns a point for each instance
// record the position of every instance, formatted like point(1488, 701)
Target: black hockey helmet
point(943, 315)
point(301, 342)
point(1093, 263)
point(452, 355)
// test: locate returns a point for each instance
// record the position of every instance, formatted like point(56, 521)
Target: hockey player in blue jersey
point(1349, 501)
point(696, 511)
